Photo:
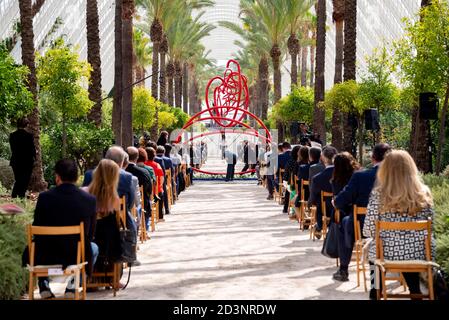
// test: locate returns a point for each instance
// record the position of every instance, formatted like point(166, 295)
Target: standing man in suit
point(245, 156)
point(231, 160)
point(283, 159)
point(64, 205)
point(23, 155)
point(321, 182)
point(356, 192)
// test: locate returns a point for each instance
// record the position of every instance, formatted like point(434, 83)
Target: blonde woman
point(399, 196)
point(104, 188)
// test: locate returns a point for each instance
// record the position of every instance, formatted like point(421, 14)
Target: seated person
point(64, 205)
point(321, 182)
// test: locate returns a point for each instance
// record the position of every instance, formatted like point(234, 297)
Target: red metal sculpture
point(229, 108)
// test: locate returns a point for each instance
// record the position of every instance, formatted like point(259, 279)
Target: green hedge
point(440, 192)
point(13, 278)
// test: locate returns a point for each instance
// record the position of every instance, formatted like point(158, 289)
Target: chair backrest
point(325, 195)
point(122, 213)
point(358, 211)
point(403, 226)
point(168, 175)
point(56, 231)
point(142, 200)
point(303, 184)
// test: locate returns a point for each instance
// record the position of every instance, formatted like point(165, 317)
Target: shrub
point(440, 191)
point(6, 174)
point(13, 277)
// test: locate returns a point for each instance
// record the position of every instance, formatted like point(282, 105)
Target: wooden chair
point(281, 186)
point(386, 266)
point(312, 222)
point(169, 187)
point(100, 279)
point(304, 219)
point(143, 225)
point(78, 270)
point(326, 219)
point(155, 207)
point(359, 243)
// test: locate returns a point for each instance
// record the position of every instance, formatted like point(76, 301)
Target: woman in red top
point(157, 169)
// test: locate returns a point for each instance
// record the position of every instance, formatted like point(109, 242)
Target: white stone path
point(225, 241)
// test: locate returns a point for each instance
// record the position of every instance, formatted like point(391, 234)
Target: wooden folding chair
point(359, 243)
point(304, 218)
point(169, 188)
point(399, 266)
point(78, 270)
point(143, 225)
point(281, 186)
point(326, 219)
point(155, 208)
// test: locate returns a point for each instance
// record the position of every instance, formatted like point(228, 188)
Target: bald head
point(116, 154)
point(133, 154)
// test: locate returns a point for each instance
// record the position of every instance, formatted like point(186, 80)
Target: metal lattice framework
point(229, 108)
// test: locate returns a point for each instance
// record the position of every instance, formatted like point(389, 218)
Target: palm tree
point(117, 104)
point(127, 76)
point(296, 10)
point(170, 82)
point(185, 87)
point(338, 17)
point(312, 53)
point(163, 50)
point(94, 58)
point(178, 84)
point(142, 55)
point(37, 182)
point(318, 112)
point(349, 61)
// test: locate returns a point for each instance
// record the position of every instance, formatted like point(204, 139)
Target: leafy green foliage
point(297, 106)
point(84, 140)
point(144, 108)
point(61, 77)
point(344, 97)
point(16, 101)
point(440, 189)
point(13, 277)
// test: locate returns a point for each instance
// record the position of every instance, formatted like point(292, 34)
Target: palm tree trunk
point(350, 51)
point(312, 65)
point(318, 113)
point(192, 101)
point(442, 136)
point(94, 58)
point(178, 85)
point(170, 75)
point(263, 86)
point(117, 105)
point(127, 62)
point(163, 79)
point(185, 88)
point(155, 70)
point(37, 182)
point(419, 141)
point(275, 57)
point(337, 134)
point(293, 47)
point(304, 66)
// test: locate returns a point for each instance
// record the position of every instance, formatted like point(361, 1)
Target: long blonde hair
point(400, 187)
point(104, 185)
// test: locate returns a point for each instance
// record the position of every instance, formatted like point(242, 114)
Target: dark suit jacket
point(22, 148)
point(64, 205)
point(283, 159)
point(124, 186)
point(358, 189)
point(161, 162)
point(321, 182)
point(314, 169)
point(144, 180)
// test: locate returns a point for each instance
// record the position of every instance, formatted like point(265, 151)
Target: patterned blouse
point(406, 245)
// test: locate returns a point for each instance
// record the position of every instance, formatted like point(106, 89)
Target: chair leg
point(77, 285)
point(430, 283)
point(84, 285)
point(364, 274)
point(358, 264)
point(115, 279)
point(31, 287)
point(384, 285)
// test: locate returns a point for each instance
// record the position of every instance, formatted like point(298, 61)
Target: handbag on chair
point(330, 245)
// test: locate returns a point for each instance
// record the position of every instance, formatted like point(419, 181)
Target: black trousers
point(246, 167)
point(167, 208)
point(230, 172)
point(22, 175)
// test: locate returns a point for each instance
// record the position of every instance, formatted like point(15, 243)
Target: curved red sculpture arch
point(229, 108)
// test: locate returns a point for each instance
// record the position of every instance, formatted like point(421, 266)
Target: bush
point(13, 277)
point(6, 174)
point(440, 191)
